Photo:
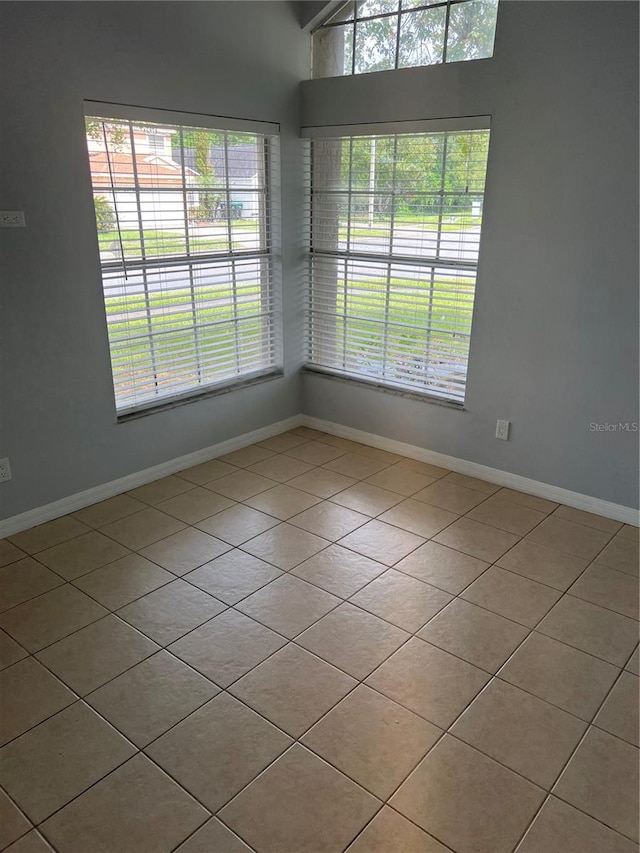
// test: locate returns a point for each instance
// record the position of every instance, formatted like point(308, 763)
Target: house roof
point(152, 169)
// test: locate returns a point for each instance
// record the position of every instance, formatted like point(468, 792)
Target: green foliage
point(105, 217)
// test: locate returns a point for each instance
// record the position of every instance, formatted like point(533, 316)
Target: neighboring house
point(245, 173)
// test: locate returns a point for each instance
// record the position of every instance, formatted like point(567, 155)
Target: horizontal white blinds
point(186, 228)
point(395, 225)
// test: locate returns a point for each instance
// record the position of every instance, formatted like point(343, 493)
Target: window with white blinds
point(395, 223)
point(187, 229)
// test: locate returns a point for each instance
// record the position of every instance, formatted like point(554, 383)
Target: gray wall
point(57, 417)
point(555, 336)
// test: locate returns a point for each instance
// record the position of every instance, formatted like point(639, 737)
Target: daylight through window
point(380, 35)
point(395, 234)
point(186, 232)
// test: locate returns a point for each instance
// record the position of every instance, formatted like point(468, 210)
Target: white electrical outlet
point(12, 219)
point(5, 470)
point(502, 430)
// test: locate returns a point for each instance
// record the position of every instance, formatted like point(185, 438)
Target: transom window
point(185, 221)
point(380, 35)
point(395, 233)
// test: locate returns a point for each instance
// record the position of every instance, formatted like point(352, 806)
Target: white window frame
point(323, 352)
point(266, 259)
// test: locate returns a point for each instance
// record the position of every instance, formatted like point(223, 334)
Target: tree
point(105, 217)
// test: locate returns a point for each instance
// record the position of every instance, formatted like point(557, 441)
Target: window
point(187, 251)
point(395, 234)
point(380, 35)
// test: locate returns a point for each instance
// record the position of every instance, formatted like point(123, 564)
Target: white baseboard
point(81, 500)
point(474, 469)
point(86, 498)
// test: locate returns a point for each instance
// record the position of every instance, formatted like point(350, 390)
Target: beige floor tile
point(96, 654)
point(314, 452)
point(97, 515)
point(521, 731)
point(247, 456)
point(389, 831)
point(630, 532)
point(471, 483)
point(541, 563)
point(23, 580)
point(32, 842)
point(288, 605)
point(477, 540)
point(341, 443)
point(195, 505)
point(284, 441)
point(379, 455)
point(282, 501)
point(467, 800)
point(9, 553)
point(526, 500)
point(171, 611)
point(81, 555)
point(301, 804)
point(339, 570)
point(633, 664)
point(382, 542)
point(322, 483)
point(602, 780)
point(124, 580)
point(512, 596)
point(233, 576)
point(442, 567)
point(402, 480)
point(238, 524)
point(293, 689)
point(59, 759)
point(373, 740)
point(572, 538)
point(43, 620)
point(428, 681)
point(560, 827)
point(423, 468)
point(28, 695)
point(218, 750)
point(185, 551)
point(591, 629)
point(561, 675)
point(10, 651)
point(214, 836)
point(353, 640)
point(588, 518)
point(285, 546)
point(281, 468)
point(450, 497)
point(621, 554)
point(474, 634)
point(507, 515)
point(329, 520)
point(418, 518)
point(309, 433)
point(13, 823)
point(608, 588)
point(401, 600)
point(151, 697)
point(48, 534)
point(367, 498)
point(206, 472)
point(142, 528)
point(356, 465)
point(241, 485)
point(160, 490)
point(227, 647)
point(137, 807)
point(619, 714)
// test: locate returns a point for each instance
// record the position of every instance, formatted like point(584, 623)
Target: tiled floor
point(311, 646)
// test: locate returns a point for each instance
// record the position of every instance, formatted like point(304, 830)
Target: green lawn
point(360, 228)
point(161, 243)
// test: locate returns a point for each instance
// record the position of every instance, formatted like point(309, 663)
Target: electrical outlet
point(12, 219)
point(502, 430)
point(5, 470)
